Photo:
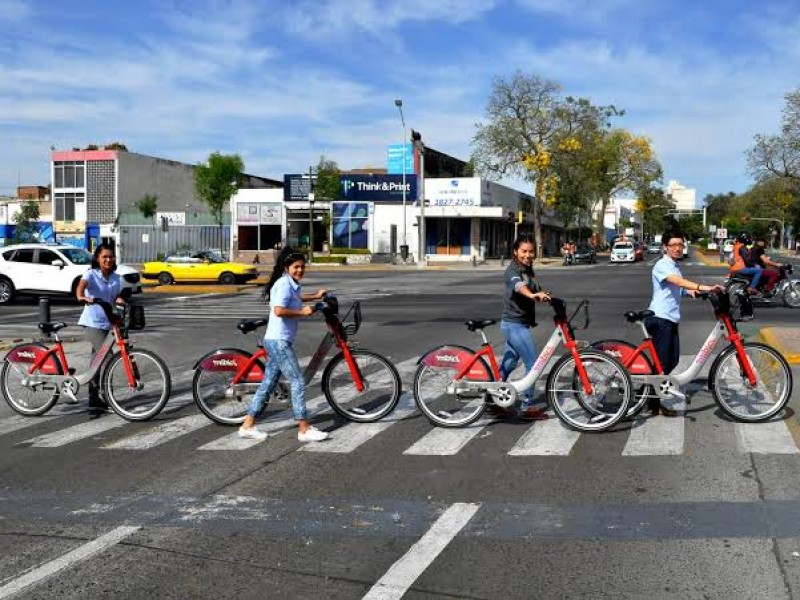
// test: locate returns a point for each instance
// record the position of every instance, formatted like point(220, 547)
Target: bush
point(341, 250)
point(336, 260)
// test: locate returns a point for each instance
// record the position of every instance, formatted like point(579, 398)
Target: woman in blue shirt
point(285, 307)
point(103, 283)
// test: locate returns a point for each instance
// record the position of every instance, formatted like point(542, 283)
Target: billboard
point(394, 161)
point(297, 187)
point(378, 188)
point(456, 191)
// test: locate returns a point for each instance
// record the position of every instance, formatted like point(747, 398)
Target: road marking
point(47, 570)
point(402, 574)
point(351, 436)
point(17, 422)
point(442, 441)
point(155, 436)
point(547, 438)
point(77, 432)
point(772, 437)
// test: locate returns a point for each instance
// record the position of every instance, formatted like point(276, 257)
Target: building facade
point(684, 198)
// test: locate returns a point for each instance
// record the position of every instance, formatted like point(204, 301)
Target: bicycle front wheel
point(151, 389)
point(380, 394)
point(735, 395)
point(437, 369)
point(608, 402)
point(27, 394)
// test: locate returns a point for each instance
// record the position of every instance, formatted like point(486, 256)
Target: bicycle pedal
point(71, 371)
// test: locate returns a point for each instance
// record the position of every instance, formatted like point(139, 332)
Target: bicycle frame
point(505, 393)
point(335, 336)
point(665, 385)
point(69, 384)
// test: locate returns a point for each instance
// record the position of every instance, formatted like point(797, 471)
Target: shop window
point(350, 224)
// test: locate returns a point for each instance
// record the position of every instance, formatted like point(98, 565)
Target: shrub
point(337, 260)
point(342, 250)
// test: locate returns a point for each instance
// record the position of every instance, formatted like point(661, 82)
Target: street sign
point(712, 228)
point(722, 233)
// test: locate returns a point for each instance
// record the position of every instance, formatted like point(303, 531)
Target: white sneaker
point(312, 434)
point(252, 434)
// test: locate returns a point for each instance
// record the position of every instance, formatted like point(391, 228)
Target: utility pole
point(417, 140)
point(310, 215)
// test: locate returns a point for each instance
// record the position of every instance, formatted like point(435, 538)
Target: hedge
point(338, 250)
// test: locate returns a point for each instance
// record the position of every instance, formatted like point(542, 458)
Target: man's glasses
point(678, 245)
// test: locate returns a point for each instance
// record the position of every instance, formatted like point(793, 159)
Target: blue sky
point(283, 82)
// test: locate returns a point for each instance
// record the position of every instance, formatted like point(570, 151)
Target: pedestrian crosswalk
point(643, 436)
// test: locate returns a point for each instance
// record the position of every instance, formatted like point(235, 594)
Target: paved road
point(691, 507)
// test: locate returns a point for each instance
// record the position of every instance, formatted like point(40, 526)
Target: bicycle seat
point(476, 324)
point(248, 325)
point(633, 316)
point(50, 327)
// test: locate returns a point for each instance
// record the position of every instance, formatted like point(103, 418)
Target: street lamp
point(310, 216)
point(404, 248)
point(420, 147)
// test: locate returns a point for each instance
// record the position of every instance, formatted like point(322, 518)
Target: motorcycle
point(786, 290)
point(569, 259)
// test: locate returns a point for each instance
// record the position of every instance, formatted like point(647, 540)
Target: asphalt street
point(690, 507)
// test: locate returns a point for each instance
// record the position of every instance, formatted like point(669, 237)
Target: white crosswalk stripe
point(546, 438)
point(772, 437)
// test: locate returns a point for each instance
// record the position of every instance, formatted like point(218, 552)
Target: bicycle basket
point(740, 305)
point(354, 314)
point(134, 318)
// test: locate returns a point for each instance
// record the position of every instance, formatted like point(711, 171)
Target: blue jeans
point(519, 344)
point(281, 359)
point(754, 271)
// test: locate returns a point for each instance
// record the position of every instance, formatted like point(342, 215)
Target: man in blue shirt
point(669, 286)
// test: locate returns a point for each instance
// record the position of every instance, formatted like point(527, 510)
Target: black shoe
point(654, 406)
point(98, 406)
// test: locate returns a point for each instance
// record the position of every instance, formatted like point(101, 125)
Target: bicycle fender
point(31, 353)
point(453, 356)
point(622, 351)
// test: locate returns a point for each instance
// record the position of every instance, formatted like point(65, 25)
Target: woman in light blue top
point(285, 307)
point(102, 283)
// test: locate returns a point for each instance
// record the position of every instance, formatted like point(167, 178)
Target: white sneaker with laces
point(252, 433)
point(312, 434)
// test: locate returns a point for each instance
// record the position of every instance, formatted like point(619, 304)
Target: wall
point(172, 182)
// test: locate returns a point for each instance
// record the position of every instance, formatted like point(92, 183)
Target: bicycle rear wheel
point(732, 390)
point(147, 397)
point(27, 394)
point(612, 391)
point(212, 379)
point(381, 391)
point(622, 351)
point(437, 369)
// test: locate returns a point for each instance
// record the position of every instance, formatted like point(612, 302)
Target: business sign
point(297, 187)
point(378, 188)
point(394, 162)
point(457, 191)
point(173, 218)
point(271, 213)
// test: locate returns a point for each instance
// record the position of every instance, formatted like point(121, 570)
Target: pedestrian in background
point(101, 283)
point(521, 291)
point(285, 308)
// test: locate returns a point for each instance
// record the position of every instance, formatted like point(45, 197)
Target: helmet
point(745, 238)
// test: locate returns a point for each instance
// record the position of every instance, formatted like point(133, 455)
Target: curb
point(196, 289)
point(768, 335)
point(710, 263)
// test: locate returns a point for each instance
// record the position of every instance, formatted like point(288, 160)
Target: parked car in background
point(686, 249)
point(623, 252)
point(585, 253)
point(205, 265)
point(50, 270)
point(654, 248)
point(727, 247)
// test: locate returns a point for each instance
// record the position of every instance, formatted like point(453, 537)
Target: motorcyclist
point(769, 277)
point(742, 263)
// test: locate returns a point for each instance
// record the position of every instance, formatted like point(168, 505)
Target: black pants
point(666, 340)
point(95, 337)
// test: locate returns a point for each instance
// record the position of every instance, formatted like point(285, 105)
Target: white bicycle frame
point(505, 393)
point(666, 386)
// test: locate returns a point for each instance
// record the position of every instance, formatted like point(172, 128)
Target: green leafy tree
point(147, 205)
point(528, 126)
point(25, 221)
point(654, 206)
point(216, 182)
point(327, 185)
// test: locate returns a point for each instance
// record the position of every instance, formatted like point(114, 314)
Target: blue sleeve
point(87, 275)
point(281, 294)
point(661, 271)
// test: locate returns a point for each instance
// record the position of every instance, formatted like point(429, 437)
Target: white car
point(42, 269)
point(623, 252)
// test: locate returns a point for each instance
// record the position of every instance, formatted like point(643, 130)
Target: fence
point(142, 243)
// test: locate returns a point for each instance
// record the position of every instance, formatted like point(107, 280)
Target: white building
point(685, 198)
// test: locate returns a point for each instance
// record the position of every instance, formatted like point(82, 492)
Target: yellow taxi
point(197, 266)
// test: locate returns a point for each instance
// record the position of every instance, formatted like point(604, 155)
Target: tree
point(327, 186)
point(147, 205)
point(216, 182)
point(654, 206)
point(25, 221)
point(779, 155)
point(528, 128)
